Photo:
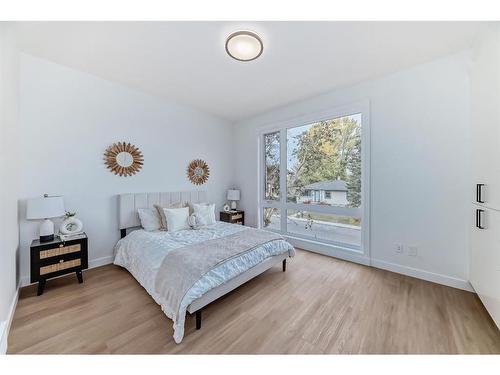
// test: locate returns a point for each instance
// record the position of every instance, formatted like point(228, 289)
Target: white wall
point(420, 147)
point(9, 235)
point(68, 118)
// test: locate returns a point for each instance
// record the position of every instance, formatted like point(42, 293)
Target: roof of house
point(332, 185)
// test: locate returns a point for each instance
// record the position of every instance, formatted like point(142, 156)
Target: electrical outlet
point(399, 248)
point(412, 251)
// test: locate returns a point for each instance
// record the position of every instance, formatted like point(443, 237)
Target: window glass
point(324, 162)
point(326, 227)
point(271, 218)
point(272, 166)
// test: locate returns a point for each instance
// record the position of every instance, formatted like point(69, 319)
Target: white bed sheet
point(142, 253)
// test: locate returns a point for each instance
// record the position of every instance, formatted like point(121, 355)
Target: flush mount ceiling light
point(244, 45)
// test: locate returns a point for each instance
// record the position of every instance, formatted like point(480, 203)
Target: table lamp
point(233, 195)
point(45, 208)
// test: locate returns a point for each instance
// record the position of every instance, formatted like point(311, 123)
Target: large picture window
point(313, 181)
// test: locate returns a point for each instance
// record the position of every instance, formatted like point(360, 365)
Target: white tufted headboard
point(129, 203)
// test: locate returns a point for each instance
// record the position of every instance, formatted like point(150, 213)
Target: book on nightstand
point(72, 236)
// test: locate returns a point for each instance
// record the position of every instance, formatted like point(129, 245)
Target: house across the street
point(332, 192)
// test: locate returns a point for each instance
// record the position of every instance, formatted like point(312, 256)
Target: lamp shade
point(44, 208)
point(233, 195)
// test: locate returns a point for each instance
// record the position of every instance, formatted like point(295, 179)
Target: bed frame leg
point(198, 319)
point(284, 265)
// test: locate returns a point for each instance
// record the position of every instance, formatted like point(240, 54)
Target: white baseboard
point(424, 275)
point(355, 257)
point(5, 325)
point(93, 263)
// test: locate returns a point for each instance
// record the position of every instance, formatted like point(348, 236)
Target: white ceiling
point(186, 61)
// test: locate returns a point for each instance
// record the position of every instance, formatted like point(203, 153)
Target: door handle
point(479, 216)
point(479, 193)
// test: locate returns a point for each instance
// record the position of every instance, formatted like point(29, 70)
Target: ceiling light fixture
point(244, 45)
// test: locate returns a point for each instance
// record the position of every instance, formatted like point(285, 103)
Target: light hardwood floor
point(320, 305)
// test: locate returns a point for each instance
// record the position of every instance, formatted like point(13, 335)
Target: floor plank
point(320, 305)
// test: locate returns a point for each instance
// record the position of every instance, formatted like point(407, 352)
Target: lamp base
point(48, 238)
point(46, 231)
point(233, 205)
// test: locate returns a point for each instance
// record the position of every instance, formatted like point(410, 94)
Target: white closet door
point(485, 260)
point(485, 120)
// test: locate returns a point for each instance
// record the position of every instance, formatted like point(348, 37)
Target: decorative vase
point(71, 225)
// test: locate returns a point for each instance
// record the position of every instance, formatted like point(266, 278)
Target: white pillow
point(163, 219)
point(206, 212)
point(177, 218)
point(150, 220)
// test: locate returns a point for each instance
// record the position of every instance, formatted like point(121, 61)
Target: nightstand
point(56, 258)
point(233, 217)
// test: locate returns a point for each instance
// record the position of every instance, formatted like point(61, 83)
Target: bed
point(186, 270)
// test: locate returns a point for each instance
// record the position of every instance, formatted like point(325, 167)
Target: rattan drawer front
point(62, 265)
point(60, 251)
point(236, 217)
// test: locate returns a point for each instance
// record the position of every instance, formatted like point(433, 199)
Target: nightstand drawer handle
point(61, 261)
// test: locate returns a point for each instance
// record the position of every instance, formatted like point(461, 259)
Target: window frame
point(328, 247)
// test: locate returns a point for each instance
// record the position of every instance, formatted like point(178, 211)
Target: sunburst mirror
point(123, 159)
point(198, 172)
